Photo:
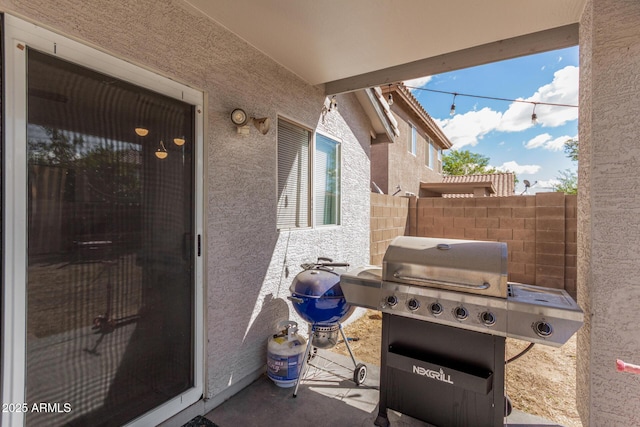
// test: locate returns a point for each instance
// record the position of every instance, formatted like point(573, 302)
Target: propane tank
point(285, 352)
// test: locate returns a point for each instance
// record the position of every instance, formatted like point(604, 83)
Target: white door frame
point(18, 35)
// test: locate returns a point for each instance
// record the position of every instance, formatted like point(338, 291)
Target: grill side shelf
point(454, 375)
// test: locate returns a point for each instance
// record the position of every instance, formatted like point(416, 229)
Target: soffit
point(330, 40)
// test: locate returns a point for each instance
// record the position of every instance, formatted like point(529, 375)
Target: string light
point(534, 116)
point(390, 98)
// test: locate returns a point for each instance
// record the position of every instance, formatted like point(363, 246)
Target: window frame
point(430, 157)
point(311, 181)
point(413, 139)
point(338, 142)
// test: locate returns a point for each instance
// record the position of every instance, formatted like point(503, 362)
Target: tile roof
point(503, 183)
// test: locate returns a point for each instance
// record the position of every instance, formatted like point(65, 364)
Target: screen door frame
point(18, 35)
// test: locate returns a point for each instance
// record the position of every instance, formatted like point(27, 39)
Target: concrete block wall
point(540, 230)
point(389, 219)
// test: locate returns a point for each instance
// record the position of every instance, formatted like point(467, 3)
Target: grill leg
point(304, 362)
point(346, 343)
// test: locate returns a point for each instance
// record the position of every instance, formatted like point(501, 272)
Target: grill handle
point(485, 285)
point(295, 299)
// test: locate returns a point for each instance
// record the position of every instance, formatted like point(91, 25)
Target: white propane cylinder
point(285, 352)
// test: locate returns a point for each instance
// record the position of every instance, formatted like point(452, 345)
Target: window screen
point(293, 176)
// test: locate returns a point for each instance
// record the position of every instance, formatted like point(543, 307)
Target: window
point(439, 159)
point(295, 178)
point(413, 141)
point(327, 181)
point(430, 156)
point(293, 175)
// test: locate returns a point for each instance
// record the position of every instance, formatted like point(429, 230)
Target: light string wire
point(493, 97)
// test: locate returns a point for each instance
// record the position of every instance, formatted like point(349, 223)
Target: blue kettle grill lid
point(319, 280)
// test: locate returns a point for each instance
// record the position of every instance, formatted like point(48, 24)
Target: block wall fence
point(540, 230)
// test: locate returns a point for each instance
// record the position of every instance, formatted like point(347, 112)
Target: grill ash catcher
point(447, 309)
point(317, 297)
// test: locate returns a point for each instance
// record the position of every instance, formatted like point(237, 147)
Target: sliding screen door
point(110, 228)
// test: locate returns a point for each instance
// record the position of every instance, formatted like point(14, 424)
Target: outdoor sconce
point(241, 120)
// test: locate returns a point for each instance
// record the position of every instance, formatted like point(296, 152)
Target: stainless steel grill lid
point(462, 265)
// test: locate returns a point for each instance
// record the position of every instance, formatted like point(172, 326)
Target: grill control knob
point(488, 318)
point(543, 329)
point(435, 308)
point(392, 300)
point(413, 304)
point(460, 313)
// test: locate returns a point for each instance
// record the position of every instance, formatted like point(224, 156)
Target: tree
point(568, 182)
point(568, 179)
point(571, 149)
point(464, 162)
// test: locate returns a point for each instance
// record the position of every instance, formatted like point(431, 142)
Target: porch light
point(161, 152)
point(239, 117)
point(142, 131)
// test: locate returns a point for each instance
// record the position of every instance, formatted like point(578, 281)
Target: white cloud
point(538, 141)
point(419, 82)
point(562, 90)
point(468, 128)
point(548, 184)
point(547, 142)
point(513, 166)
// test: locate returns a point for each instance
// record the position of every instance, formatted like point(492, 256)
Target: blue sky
point(503, 130)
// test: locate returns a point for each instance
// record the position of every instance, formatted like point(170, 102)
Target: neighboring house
point(414, 154)
point(457, 186)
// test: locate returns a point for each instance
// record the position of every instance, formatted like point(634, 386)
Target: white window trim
point(17, 35)
point(313, 163)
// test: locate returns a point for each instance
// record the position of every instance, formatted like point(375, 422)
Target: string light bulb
point(390, 97)
point(161, 152)
point(534, 116)
point(452, 111)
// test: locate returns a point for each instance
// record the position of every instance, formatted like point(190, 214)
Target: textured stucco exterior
point(249, 264)
point(608, 205)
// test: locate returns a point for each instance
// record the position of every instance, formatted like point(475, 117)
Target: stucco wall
point(404, 168)
point(249, 264)
point(608, 205)
point(380, 166)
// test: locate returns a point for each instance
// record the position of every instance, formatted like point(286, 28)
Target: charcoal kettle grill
point(317, 297)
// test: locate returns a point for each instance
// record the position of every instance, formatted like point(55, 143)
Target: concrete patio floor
point(327, 397)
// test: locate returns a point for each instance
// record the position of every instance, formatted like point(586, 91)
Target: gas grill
point(447, 308)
